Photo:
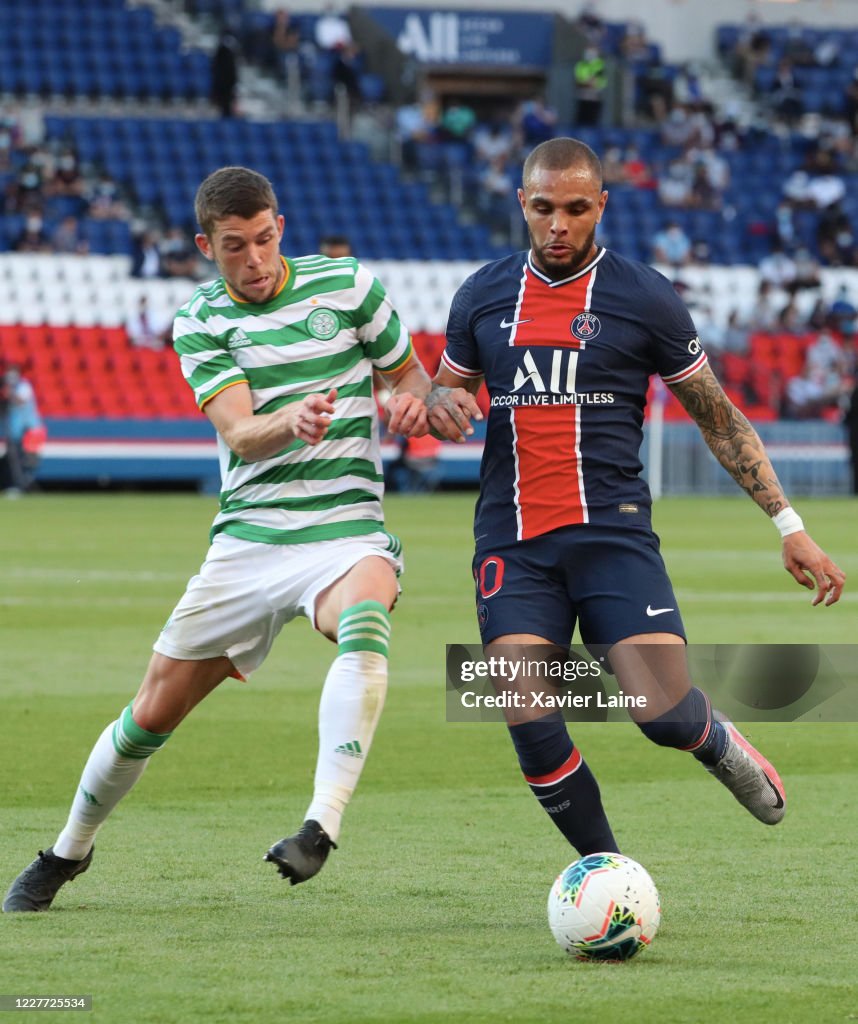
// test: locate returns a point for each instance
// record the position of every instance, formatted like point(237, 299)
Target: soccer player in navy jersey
point(566, 338)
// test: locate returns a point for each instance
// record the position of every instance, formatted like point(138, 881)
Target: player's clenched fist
point(311, 417)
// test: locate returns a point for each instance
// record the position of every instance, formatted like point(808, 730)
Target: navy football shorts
point(610, 580)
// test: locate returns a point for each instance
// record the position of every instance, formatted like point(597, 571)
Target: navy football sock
point(561, 781)
point(689, 725)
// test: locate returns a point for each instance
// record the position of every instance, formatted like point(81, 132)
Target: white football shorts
point(246, 592)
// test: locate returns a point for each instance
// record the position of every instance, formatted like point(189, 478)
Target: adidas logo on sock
point(351, 749)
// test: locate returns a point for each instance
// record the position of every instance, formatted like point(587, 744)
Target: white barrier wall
point(88, 290)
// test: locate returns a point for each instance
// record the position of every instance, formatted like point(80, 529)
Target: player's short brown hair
point(558, 154)
point(232, 192)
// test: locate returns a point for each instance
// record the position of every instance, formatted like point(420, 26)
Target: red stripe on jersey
point(545, 314)
point(570, 765)
point(549, 488)
point(698, 364)
point(462, 371)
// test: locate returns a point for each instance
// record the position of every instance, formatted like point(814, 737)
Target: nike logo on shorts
point(656, 611)
point(515, 323)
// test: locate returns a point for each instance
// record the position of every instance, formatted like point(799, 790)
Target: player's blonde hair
point(232, 192)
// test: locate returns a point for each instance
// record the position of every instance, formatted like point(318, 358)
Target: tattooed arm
point(737, 446)
point(731, 439)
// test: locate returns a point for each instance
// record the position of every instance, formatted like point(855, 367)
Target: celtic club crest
point(323, 324)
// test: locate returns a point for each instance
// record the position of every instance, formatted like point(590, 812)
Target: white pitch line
point(23, 572)
point(741, 597)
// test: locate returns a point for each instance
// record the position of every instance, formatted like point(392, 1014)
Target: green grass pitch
point(433, 909)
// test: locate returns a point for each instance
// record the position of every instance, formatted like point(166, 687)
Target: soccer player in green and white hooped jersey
point(280, 354)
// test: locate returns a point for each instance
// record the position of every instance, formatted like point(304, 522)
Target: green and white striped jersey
point(327, 327)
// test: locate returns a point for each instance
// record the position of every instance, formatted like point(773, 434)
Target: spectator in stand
point(814, 192)
point(807, 273)
point(147, 329)
point(21, 420)
point(496, 187)
point(416, 125)
point(836, 239)
point(637, 170)
point(822, 160)
point(67, 237)
point(493, 140)
point(590, 24)
point(286, 44)
point(842, 315)
point(146, 259)
point(852, 102)
point(614, 167)
point(224, 74)
point(67, 179)
point(677, 129)
point(10, 136)
point(826, 190)
point(753, 48)
point(634, 46)
point(687, 89)
point(335, 247)
point(591, 80)
point(825, 358)
point(33, 237)
point(26, 191)
point(178, 256)
point(535, 122)
point(671, 245)
point(701, 253)
point(701, 120)
point(457, 122)
point(763, 316)
point(736, 338)
point(656, 90)
point(796, 48)
point(333, 35)
point(703, 195)
point(790, 320)
point(805, 396)
point(716, 167)
point(778, 268)
point(105, 200)
point(785, 96)
point(674, 188)
point(729, 133)
point(332, 30)
point(785, 234)
point(817, 319)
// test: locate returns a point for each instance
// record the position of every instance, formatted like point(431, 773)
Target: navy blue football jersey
point(567, 366)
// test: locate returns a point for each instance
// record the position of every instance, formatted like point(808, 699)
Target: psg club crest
point(585, 326)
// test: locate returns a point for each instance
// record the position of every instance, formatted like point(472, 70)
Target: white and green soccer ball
point(604, 907)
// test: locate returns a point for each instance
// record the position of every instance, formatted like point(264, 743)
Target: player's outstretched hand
point(406, 415)
point(809, 565)
point(311, 417)
point(450, 413)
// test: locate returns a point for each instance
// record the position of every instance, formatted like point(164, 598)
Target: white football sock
point(352, 699)
point(107, 776)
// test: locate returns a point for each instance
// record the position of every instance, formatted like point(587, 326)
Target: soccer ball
point(604, 907)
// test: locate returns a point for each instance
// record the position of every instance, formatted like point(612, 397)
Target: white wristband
point(788, 521)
